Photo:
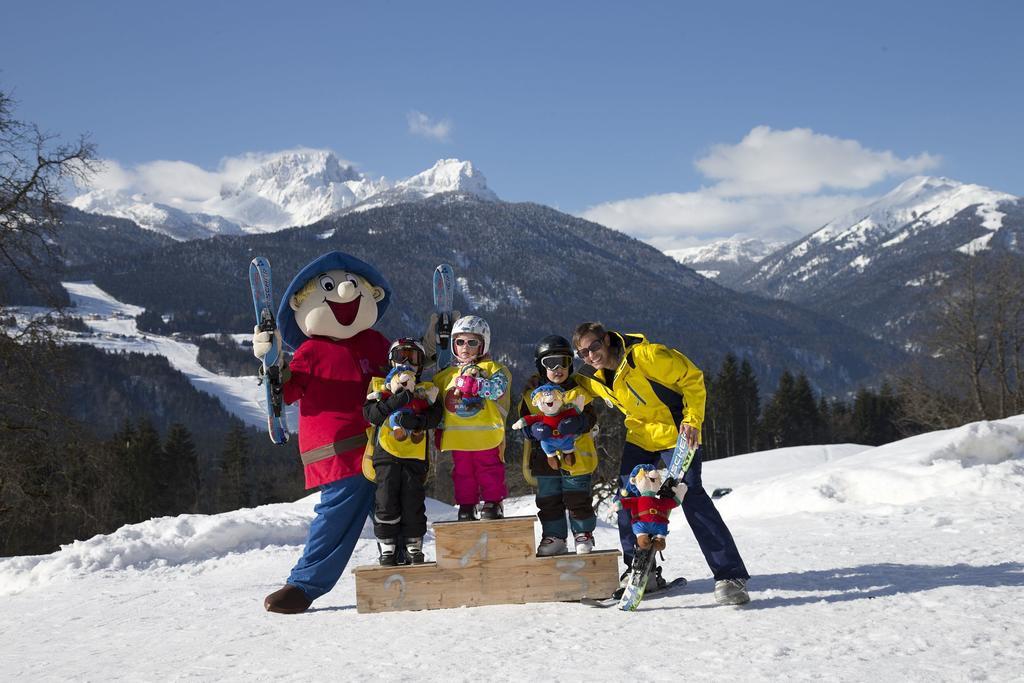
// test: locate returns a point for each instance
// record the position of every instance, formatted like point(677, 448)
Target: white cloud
point(800, 161)
point(769, 185)
point(420, 124)
point(111, 176)
point(682, 219)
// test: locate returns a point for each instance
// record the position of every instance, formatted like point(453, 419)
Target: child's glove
point(396, 401)
point(540, 431)
point(467, 385)
point(572, 425)
point(672, 489)
point(411, 421)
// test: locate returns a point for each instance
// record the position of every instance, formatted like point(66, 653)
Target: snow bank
point(187, 539)
point(164, 542)
point(978, 459)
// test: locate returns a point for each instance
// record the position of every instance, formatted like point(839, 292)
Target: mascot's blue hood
point(335, 260)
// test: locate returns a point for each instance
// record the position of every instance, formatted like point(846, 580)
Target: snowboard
point(636, 583)
point(444, 295)
point(273, 362)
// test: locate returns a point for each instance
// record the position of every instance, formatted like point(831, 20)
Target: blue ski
point(270, 372)
point(643, 560)
point(444, 295)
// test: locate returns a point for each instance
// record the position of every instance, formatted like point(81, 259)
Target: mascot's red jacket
point(329, 377)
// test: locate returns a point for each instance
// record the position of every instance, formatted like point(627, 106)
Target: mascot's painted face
point(648, 482)
point(339, 305)
point(549, 402)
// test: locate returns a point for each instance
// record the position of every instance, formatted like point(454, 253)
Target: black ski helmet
point(551, 345)
point(407, 351)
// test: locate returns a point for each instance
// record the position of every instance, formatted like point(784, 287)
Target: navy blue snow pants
point(707, 525)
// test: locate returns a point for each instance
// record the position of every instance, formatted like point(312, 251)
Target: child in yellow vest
point(474, 391)
point(567, 488)
point(401, 409)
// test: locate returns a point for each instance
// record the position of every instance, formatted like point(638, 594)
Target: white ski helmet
point(472, 324)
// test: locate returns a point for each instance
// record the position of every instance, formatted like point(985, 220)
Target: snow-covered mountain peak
point(450, 175)
point(735, 249)
point(291, 188)
point(928, 199)
point(309, 167)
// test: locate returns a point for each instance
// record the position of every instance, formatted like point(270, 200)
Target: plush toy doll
point(403, 377)
point(649, 502)
point(547, 426)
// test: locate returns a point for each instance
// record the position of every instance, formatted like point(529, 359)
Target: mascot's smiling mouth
point(346, 312)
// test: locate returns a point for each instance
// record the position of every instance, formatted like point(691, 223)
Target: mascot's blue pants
point(707, 525)
point(343, 508)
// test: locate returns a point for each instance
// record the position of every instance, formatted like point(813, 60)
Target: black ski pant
point(399, 509)
point(708, 527)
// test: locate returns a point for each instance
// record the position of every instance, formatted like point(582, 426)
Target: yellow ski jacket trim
point(585, 450)
point(655, 387)
point(478, 428)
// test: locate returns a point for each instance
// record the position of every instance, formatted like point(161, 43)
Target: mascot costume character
point(326, 317)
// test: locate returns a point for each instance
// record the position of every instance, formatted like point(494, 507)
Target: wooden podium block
point(486, 563)
point(470, 544)
point(501, 582)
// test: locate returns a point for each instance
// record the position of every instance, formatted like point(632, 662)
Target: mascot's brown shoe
point(569, 458)
point(417, 437)
point(658, 543)
point(288, 600)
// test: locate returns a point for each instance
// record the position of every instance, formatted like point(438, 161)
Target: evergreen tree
point(125, 469)
point(233, 485)
point(727, 401)
point(875, 417)
point(749, 409)
point(791, 417)
point(183, 470)
point(807, 417)
point(146, 454)
point(774, 427)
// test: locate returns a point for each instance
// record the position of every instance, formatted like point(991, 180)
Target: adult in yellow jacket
point(661, 393)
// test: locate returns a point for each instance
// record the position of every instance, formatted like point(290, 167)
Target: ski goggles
point(471, 343)
point(406, 356)
point(556, 362)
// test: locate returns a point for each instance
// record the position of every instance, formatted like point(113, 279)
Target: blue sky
point(574, 105)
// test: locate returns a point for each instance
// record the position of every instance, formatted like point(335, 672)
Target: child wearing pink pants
point(476, 400)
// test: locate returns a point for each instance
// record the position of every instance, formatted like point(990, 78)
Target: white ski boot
point(584, 542)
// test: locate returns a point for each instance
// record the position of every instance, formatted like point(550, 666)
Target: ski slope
point(114, 329)
point(897, 563)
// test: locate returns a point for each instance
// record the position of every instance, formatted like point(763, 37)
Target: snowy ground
point(894, 563)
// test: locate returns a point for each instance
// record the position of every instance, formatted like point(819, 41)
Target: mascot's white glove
point(679, 490)
point(262, 341)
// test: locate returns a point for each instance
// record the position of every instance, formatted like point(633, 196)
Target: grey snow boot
point(731, 592)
